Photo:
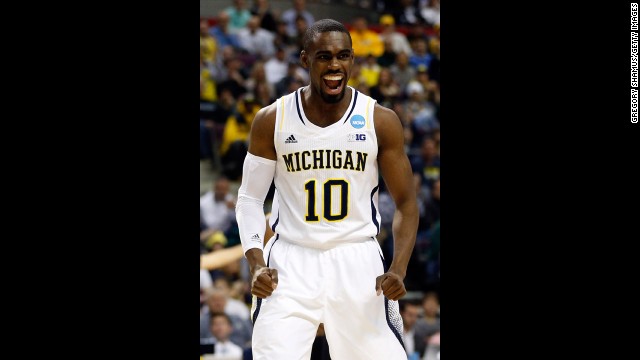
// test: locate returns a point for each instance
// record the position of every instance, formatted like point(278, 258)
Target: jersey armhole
point(371, 126)
point(279, 118)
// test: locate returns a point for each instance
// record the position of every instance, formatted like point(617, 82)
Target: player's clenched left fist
point(264, 281)
point(391, 285)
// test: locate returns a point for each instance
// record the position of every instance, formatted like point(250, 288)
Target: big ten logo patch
point(357, 137)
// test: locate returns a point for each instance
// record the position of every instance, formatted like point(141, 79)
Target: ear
point(304, 59)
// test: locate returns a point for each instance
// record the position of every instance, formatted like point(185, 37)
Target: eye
point(344, 56)
point(323, 57)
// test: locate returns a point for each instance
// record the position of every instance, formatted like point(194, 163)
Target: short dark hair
point(322, 26)
point(220, 314)
point(403, 305)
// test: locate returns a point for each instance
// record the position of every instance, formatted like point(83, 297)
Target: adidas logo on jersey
point(290, 140)
point(255, 237)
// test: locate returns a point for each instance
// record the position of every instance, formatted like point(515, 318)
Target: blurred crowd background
point(249, 57)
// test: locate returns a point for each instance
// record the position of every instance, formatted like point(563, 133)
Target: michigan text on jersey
point(324, 159)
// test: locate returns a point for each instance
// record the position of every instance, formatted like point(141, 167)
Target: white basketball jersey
point(326, 178)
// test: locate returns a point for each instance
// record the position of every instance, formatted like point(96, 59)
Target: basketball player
point(322, 145)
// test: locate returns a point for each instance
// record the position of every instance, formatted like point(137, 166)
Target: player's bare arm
point(261, 134)
point(219, 258)
point(396, 171)
point(264, 280)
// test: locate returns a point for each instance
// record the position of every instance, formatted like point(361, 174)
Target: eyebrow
point(329, 52)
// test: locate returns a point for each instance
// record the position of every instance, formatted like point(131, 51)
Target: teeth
point(333, 77)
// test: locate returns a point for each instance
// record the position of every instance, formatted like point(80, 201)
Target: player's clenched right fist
point(264, 281)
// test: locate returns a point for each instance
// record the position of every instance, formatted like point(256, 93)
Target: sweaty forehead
point(331, 41)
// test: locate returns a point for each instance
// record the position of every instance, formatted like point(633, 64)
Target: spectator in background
point(428, 238)
point(208, 97)
point(423, 193)
point(433, 348)
point(431, 205)
point(301, 28)
point(434, 49)
point(421, 56)
point(356, 77)
point(258, 78)
point(205, 285)
point(431, 96)
point(225, 54)
point(276, 68)
point(387, 91)
point(430, 11)
point(420, 113)
point(217, 208)
point(233, 271)
point(429, 324)
point(394, 41)
point(408, 13)
point(233, 306)
point(365, 42)
point(402, 72)
point(435, 135)
point(428, 163)
point(212, 122)
point(416, 31)
point(238, 16)
point(262, 9)
point(370, 71)
point(208, 91)
point(264, 94)
point(221, 329)
point(424, 259)
point(208, 45)
point(256, 40)
point(234, 138)
point(234, 76)
point(283, 40)
point(289, 16)
point(293, 76)
point(412, 343)
point(216, 303)
point(221, 32)
point(214, 240)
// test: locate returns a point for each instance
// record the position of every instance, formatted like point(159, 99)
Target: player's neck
point(320, 112)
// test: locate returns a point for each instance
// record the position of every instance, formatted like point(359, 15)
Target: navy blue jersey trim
point(259, 302)
point(353, 106)
point(373, 209)
point(275, 223)
point(274, 242)
point(386, 311)
point(298, 106)
point(395, 332)
point(255, 313)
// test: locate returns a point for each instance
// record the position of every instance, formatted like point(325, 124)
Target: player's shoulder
point(267, 113)
point(384, 116)
point(265, 118)
point(388, 127)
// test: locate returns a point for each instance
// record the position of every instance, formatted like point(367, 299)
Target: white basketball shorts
point(335, 287)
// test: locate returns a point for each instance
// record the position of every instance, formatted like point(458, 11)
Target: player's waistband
point(326, 245)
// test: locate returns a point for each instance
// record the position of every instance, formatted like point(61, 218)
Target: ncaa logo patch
point(357, 121)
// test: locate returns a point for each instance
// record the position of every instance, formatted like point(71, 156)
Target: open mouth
point(333, 83)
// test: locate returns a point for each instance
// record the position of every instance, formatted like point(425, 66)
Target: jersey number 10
point(310, 187)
